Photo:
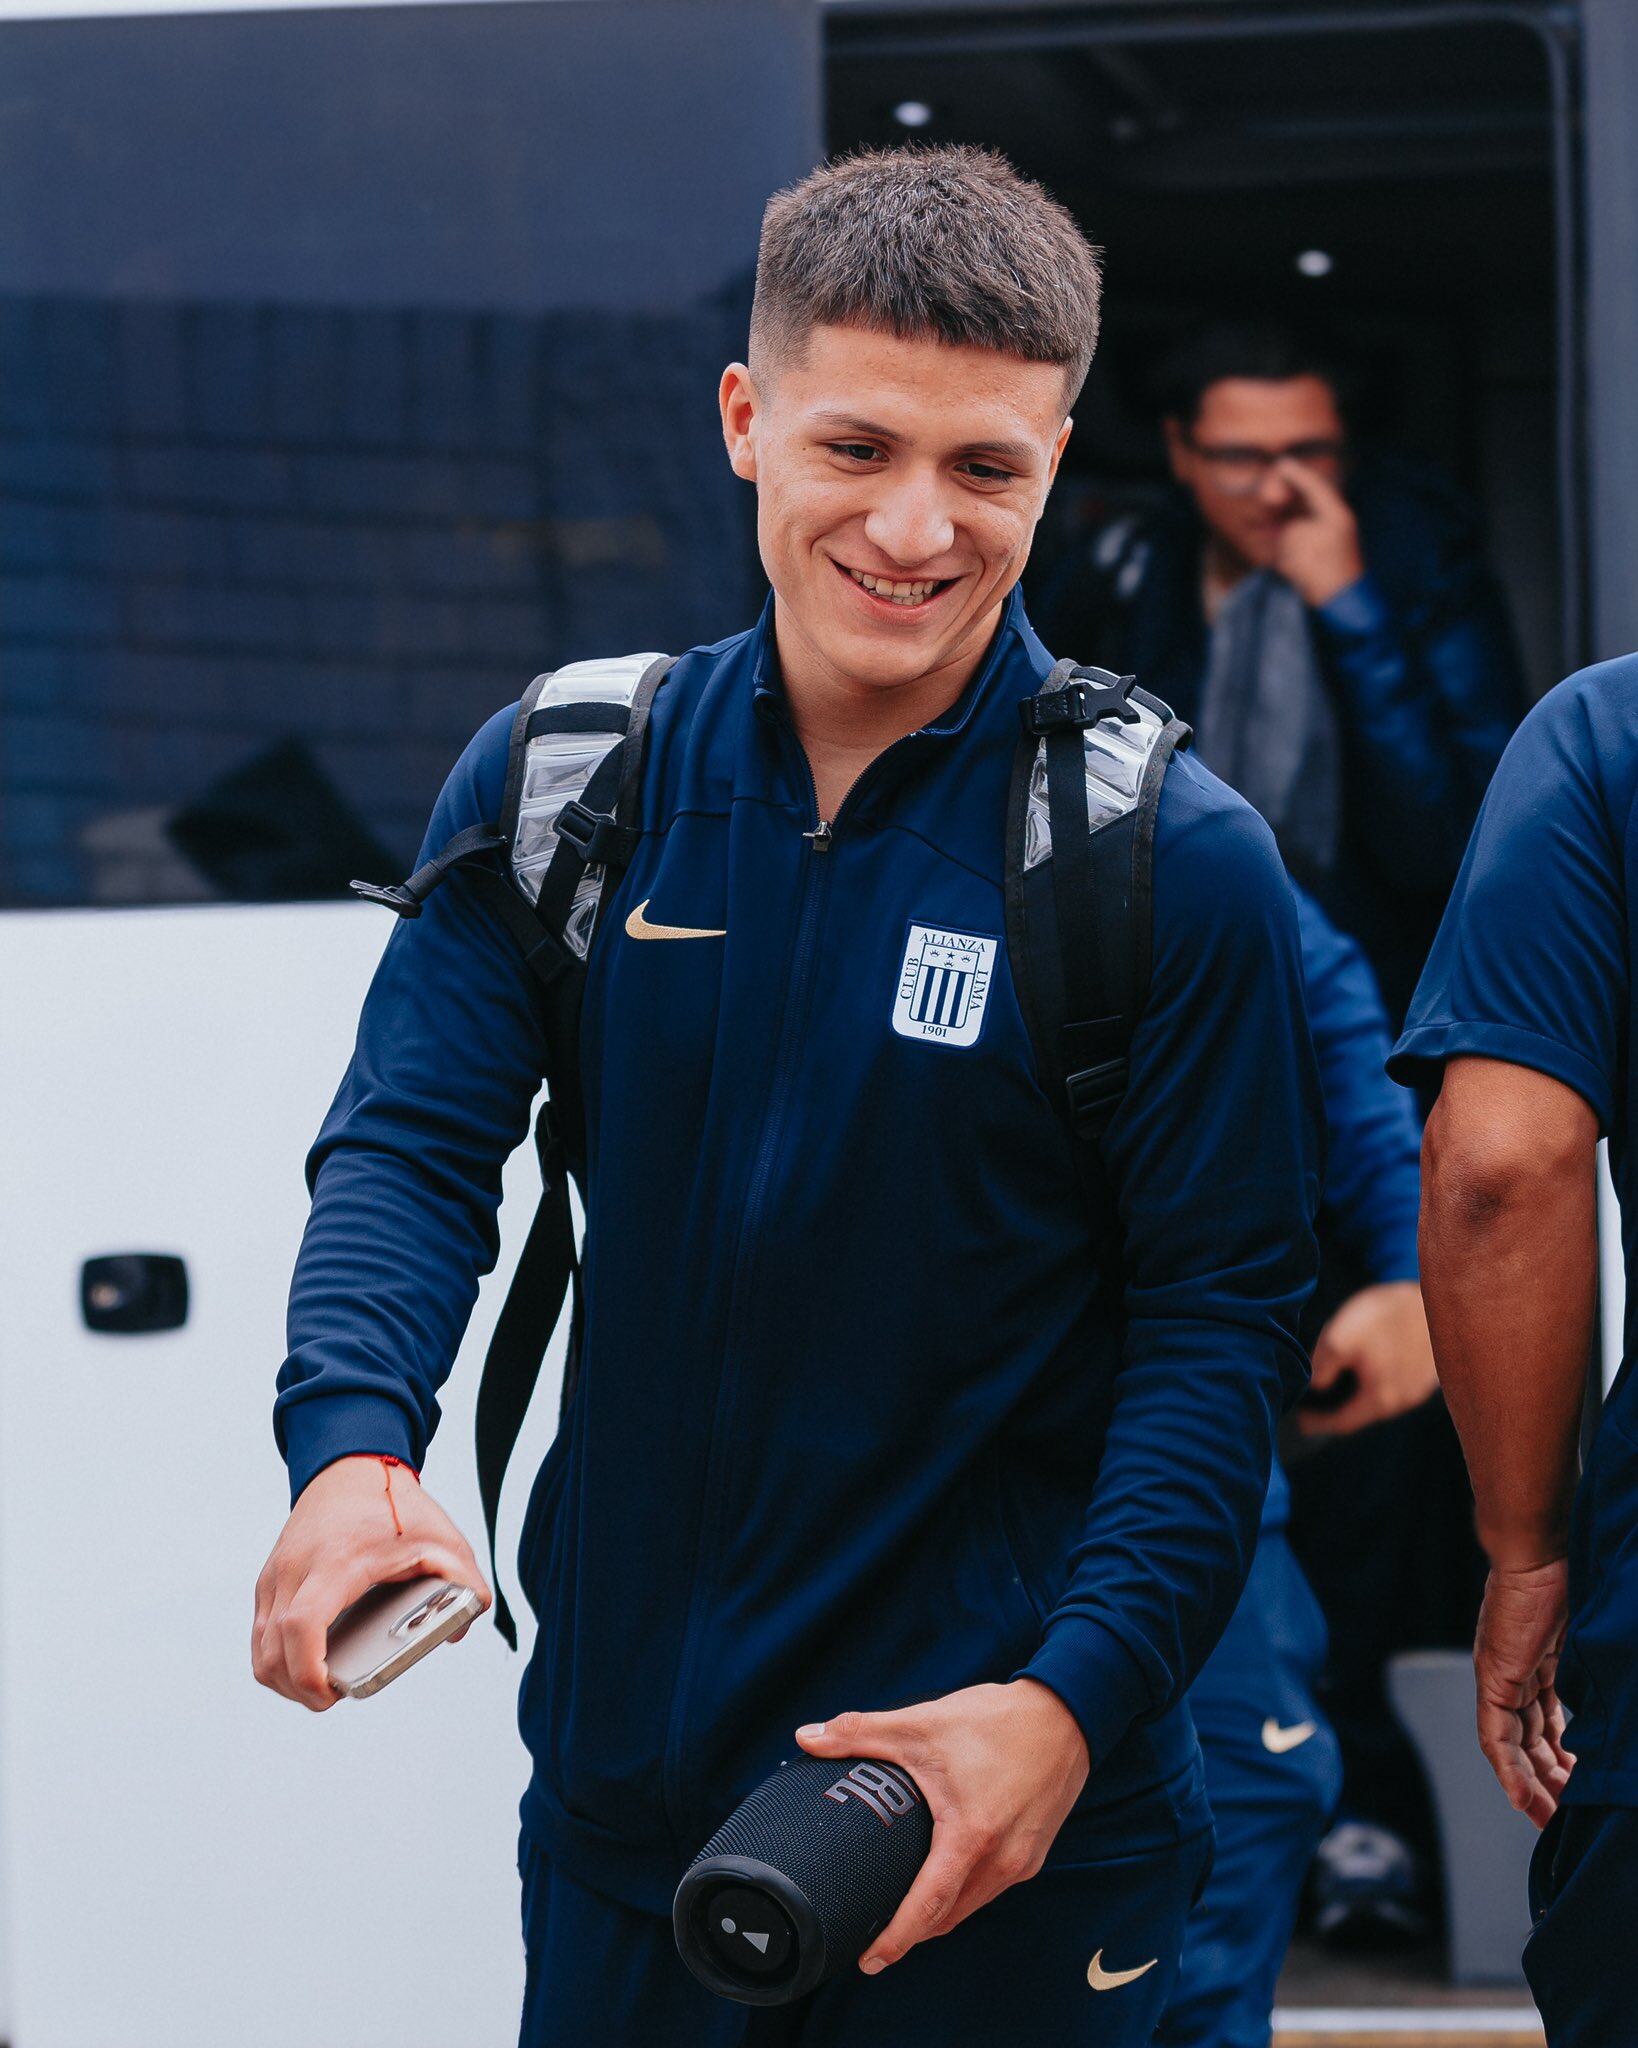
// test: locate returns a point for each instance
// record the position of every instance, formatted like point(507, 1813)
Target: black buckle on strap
point(549, 1145)
point(1095, 1090)
point(596, 839)
point(1078, 704)
point(393, 894)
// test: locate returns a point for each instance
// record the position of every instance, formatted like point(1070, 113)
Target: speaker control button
point(751, 1935)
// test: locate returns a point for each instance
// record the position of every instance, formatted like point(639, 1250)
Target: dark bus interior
point(1394, 182)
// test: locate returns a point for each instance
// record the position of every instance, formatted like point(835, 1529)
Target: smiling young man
point(868, 1408)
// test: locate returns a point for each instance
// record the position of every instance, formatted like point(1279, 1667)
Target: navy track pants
point(1583, 1901)
point(1273, 1776)
point(604, 1975)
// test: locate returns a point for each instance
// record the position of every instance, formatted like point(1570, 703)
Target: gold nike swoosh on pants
point(1277, 1740)
point(638, 927)
point(1111, 1980)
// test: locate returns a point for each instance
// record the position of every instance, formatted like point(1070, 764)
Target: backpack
point(1085, 789)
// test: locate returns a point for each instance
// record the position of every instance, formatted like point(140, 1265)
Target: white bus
point(356, 363)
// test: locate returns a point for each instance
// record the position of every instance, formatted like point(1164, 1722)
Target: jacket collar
point(1013, 635)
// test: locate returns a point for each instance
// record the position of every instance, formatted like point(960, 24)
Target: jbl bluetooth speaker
point(793, 1885)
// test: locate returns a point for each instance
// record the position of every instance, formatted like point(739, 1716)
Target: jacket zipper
point(773, 1120)
point(820, 837)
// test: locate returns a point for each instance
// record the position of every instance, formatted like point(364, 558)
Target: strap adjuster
point(596, 839)
point(1093, 1091)
point(393, 894)
point(1081, 703)
point(476, 842)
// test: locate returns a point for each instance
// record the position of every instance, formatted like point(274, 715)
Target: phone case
point(392, 1627)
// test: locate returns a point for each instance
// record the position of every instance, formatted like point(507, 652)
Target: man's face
point(1224, 458)
point(898, 487)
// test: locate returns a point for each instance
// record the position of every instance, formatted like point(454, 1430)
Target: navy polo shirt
point(1532, 965)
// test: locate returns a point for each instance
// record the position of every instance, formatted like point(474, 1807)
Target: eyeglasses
point(1239, 471)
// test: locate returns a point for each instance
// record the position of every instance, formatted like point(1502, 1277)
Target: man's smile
point(896, 594)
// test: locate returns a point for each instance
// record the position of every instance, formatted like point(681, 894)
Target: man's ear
point(1177, 447)
point(739, 405)
point(1058, 448)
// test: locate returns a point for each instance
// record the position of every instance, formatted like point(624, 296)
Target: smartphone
point(393, 1627)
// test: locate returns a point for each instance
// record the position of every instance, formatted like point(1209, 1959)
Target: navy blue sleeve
point(1530, 964)
point(1427, 707)
point(1216, 1151)
point(1373, 1144)
point(406, 1171)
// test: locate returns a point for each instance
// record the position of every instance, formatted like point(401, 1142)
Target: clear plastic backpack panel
point(560, 764)
point(1116, 756)
point(595, 682)
point(582, 918)
point(1037, 824)
point(556, 769)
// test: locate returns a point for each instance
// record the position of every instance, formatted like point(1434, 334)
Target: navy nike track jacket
point(864, 1414)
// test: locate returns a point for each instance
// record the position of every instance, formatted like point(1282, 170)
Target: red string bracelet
point(403, 1465)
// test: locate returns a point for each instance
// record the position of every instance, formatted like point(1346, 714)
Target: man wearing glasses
point(1325, 624)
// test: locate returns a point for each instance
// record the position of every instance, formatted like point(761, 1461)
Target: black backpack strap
point(597, 831)
point(546, 871)
point(534, 1302)
point(1085, 793)
point(407, 897)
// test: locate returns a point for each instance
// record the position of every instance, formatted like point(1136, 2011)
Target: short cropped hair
point(1266, 351)
point(947, 243)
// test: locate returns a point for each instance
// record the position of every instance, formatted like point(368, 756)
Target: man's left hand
point(1318, 550)
point(1380, 1337)
point(1000, 1767)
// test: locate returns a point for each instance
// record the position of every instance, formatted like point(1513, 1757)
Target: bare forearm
point(1509, 1273)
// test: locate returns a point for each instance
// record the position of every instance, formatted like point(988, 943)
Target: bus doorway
point(1400, 174)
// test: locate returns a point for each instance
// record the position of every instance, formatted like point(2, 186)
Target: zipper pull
point(820, 837)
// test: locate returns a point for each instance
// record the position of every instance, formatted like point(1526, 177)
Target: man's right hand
point(345, 1534)
point(1515, 1661)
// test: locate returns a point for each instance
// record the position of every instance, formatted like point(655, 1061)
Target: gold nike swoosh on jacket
point(638, 927)
point(1277, 1740)
point(1111, 1980)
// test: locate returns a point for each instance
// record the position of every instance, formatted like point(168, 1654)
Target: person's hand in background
point(1375, 1353)
point(359, 1523)
point(1318, 550)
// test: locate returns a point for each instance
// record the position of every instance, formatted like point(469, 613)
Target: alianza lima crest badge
point(944, 985)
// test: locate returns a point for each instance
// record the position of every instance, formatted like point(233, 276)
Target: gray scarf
point(1267, 724)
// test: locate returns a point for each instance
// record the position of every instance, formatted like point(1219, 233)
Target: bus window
point(353, 369)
